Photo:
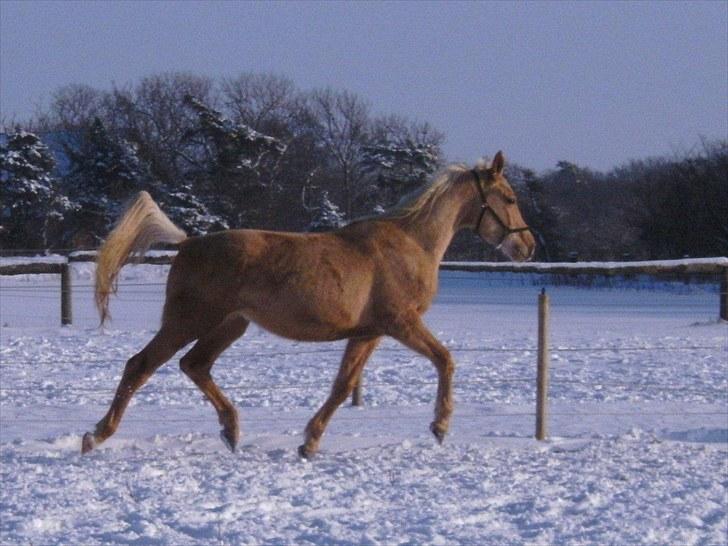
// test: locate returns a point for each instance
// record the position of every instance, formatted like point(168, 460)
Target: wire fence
point(153, 292)
point(359, 418)
point(149, 292)
point(258, 387)
point(229, 355)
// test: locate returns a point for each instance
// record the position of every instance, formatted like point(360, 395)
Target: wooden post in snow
point(66, 300)
point(542, 374)
point(356, 394)
point(724, 294)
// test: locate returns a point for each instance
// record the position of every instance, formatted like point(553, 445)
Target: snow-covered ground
point(639, 426)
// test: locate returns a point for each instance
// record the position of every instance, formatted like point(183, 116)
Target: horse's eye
point(511, 200)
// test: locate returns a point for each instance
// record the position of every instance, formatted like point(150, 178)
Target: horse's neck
point(434, 230)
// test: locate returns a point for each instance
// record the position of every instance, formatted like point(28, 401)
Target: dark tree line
point(251, 151)
point(659, 208)
point(254, 151)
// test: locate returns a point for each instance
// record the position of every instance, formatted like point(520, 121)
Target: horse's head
point(499, 221)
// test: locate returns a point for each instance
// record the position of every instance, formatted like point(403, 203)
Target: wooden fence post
point(66, 301)
point(724, 294)
point(542, 374)
point(356, 394)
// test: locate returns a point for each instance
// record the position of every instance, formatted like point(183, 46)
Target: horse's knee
point(450, 367)
point(444, 362)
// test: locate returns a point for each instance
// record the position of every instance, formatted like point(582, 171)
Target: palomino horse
point(374, 277)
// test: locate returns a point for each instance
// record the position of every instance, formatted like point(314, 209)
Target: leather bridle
point(485, 207)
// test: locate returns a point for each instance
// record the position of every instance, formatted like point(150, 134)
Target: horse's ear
point(499, 163)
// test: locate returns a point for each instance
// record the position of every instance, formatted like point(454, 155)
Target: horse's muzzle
point(519, 247)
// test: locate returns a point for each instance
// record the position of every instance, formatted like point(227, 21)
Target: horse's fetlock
point(228, 418)
point(313, 429)
point(444, 406)
point(104, 428)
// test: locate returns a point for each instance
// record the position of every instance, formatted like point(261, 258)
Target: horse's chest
point(403, 289)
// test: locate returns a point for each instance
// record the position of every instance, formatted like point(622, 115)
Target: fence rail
point(688, 266)
point(715, 267)
point(32, 268)
point(656, 268)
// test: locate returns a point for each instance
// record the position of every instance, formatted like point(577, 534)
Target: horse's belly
point(308, 321)
point(308, 293)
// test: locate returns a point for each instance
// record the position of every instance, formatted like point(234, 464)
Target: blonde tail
point(142, 225)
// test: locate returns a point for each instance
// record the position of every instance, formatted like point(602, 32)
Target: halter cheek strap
point(484, 207)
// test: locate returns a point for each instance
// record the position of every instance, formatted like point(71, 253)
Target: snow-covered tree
point(27, 192)
point(104, 173)
point(535, 207)
point(396, 168)
point(189, 211)
point(238, 148)
point(232, 164)
point(327, 216)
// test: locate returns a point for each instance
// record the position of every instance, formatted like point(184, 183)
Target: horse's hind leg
point(137, 371)
point(198, 362)
point(415, 335)
point(356, 355)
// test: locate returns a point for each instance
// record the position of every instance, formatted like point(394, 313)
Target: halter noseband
point(484, 207)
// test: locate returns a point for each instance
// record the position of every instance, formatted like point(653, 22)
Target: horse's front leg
point(412, 332)
point(355, 357)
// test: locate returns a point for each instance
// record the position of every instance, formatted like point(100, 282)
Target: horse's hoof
point(304, 452)
point(439, 432)
point(229, 440)
point(88, 443)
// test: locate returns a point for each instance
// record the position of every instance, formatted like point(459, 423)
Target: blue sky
point(597, 83)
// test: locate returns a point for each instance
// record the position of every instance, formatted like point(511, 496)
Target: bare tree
point(400, 130)
point(343, 124)
point(264, 102)
point(72, 108)
point(152, 116)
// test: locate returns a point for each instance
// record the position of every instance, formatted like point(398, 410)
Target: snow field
point(639, 425)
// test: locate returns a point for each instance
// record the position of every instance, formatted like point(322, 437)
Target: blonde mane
point(421, 200)
point(424, 198)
